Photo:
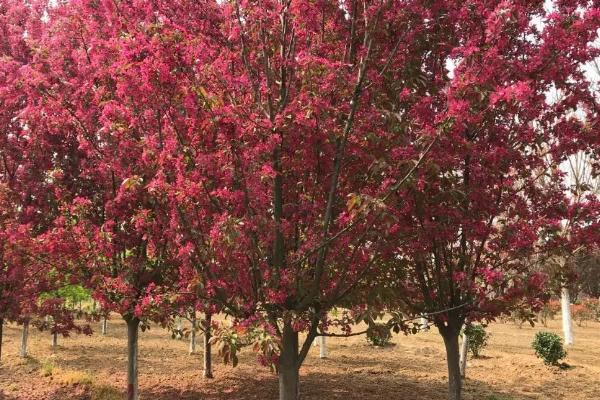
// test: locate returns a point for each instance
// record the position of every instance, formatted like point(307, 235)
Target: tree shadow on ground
point(314, 386)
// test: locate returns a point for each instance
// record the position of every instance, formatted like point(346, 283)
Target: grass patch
point(105, 392)
point(47, 368)
point(73, 378)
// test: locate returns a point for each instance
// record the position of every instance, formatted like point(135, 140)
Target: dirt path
point(414, 367)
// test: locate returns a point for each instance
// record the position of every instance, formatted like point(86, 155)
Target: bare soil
point(412, 367)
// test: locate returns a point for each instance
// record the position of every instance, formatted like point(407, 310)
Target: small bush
point(549, 347)
point(47, 368)
point(379, 335)
point(478, 338)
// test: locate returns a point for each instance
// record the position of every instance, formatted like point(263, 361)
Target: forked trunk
point(132, 358)
point(452, 357)
point(567, 321)
point(24, 338)
point(207, 347)
point(288, 364)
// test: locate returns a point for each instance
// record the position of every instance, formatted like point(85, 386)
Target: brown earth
point(412, 368)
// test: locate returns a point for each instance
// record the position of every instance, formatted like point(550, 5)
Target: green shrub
point(379, 334)
point(549, 347)
point(478, 338)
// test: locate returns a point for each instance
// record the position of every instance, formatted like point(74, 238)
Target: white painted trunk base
point(24, 337)
point(464, 349)
point(323, 353)
point(567, 321)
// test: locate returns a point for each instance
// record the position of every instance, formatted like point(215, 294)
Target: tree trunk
point(1, 330)
point(132, 356)
point(323, 347)
point(54, 340)
point(207, 347)
point(193, 334)
point(24, 338)
point(424, 324)
point(567, 322)
point(179, 329)
point(288, 364)
point(104, 326)
point(453, 359)
point(464, 349)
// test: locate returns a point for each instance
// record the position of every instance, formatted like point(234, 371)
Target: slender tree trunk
point(567, 322)
point(193, 335)
point(24, 337)
point(323, 353)
point(464, 349)
point(179, 329)
point(289, 387)
point(104, 326)
point(1, 331)
point(207, 347)
point(132, 358)
point(54, 339)
point(424, 324)
point(453, 359)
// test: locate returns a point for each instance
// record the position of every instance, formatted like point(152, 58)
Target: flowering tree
point(87, 106)
point(293, 110)
point(490, 195)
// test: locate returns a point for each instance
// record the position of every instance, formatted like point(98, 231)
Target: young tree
point(90, 106)
point(288, 111)
point(491, 193)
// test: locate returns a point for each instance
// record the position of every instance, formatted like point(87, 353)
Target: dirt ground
point(413, 367)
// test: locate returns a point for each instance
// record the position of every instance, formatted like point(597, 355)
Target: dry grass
point(72, 378)
point(414, 367)
point(105, 392)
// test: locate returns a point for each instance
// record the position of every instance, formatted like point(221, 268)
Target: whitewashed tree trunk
point(104, 326)
point(323, 353)
point(132, 358)
point(24, 337)
point(464, 349)
point(193, 334)
point(567, 322)
point(424, 324)
point(193, 342)
point(179, 328)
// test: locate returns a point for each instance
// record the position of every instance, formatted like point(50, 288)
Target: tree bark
point(424, 324)
point(104, 326)
point(179, 328)
point(323, 353)
point(54, 340)
point(193, 336)
point(464, 349)
point(132, 358)
point(1, 332)
point(567, 321)
point(288, 370)
point(453, 359)
point(24, 337)
point(207, 347)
